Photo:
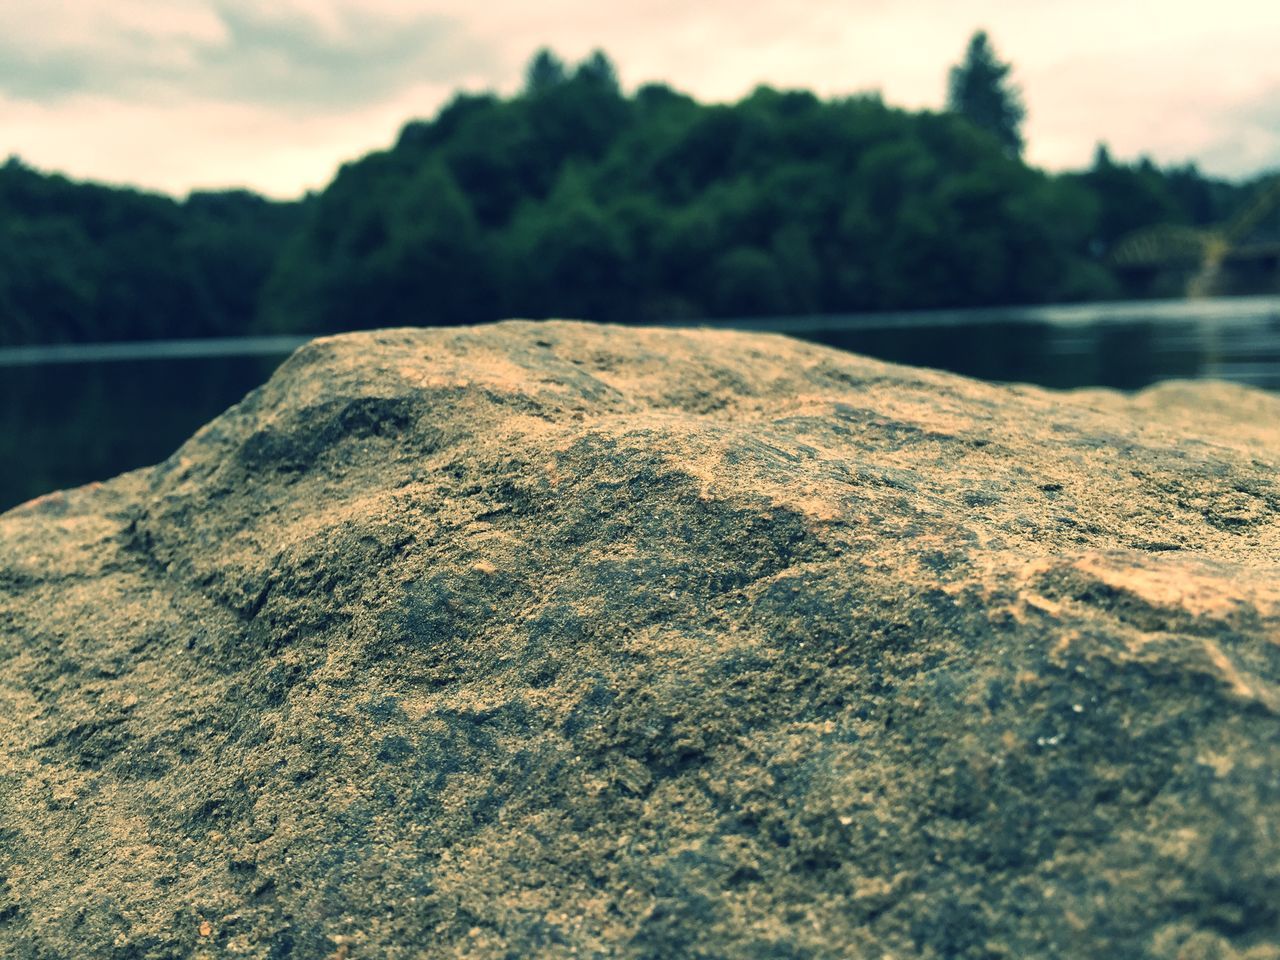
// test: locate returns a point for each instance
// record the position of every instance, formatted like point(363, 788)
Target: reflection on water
point(80, 413)
point(64, 424)
point(1126, 355)
point(1122, 345)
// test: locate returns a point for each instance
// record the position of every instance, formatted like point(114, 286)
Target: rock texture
point(562, 640)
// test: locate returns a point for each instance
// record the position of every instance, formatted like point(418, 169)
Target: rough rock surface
point(564, 640)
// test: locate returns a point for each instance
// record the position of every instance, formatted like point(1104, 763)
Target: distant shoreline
point(1253, 309)
point(192, 348)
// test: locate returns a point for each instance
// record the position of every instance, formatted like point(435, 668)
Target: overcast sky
point(274, 94)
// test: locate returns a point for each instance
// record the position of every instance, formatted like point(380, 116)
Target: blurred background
point(1066, 193)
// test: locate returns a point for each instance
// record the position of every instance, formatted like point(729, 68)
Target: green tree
point(599, 69)
point(545, 71)
point(564, 257)
point(746, 281)
point(86, 262)
point(386, 245)
point(980, 90)
point(575, 198)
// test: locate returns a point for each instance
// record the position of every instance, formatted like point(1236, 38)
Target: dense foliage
point(576, 199)
point(87, 262)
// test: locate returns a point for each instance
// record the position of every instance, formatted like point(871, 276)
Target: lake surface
point(76, 413)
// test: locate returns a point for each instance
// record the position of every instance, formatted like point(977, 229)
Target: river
point(81, 412)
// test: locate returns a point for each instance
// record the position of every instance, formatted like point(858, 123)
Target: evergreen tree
point(599, 69)
point(545, 71)
point(979, 89)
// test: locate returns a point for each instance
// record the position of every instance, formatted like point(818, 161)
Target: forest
point(574, 198)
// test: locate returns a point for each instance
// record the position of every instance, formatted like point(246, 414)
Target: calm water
point(80, 413)
point(1122, 345)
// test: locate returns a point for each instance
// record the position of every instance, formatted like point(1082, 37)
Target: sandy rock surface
point(563, 640)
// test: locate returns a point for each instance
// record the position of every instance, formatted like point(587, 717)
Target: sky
point(274, 95)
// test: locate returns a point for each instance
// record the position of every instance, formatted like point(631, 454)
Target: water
point(78, 419)
point(1122, 345)
point(76, 413)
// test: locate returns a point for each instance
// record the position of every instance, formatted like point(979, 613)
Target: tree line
point(574, 198)
point(84, 262)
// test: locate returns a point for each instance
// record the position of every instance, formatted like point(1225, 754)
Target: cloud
point(307, 84)
point(317, 56)
point(177, 147)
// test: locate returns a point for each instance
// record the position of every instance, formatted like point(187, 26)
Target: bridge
point(1236, 257)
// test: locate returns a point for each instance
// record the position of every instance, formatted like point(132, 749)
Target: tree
point(387, 244)
point(599, 69)
point(544, 72)
point(576, 199)
point(979, 89)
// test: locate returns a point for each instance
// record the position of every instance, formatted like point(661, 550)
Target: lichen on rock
point(567, 640)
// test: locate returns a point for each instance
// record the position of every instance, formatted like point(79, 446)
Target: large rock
point(565, 640)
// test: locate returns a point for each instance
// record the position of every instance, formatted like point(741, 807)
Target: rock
point(567, 640)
